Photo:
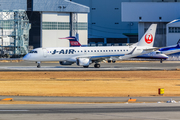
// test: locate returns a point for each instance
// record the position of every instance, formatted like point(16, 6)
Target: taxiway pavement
point(31, 66)
point(155, 111)
point(90, 99)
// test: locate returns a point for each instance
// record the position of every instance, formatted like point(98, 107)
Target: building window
point(174, 29)
point(93, 8)
point(49, 25)
point(81, 26)
point(93, 23)
point(63, 26)
point(116, 23)
point(7, 24)
point(116, 8)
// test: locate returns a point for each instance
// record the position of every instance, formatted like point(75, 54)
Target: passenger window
point(94, 50)
point(109, 50)
point(118, 50)
point(100, 50)
point(97, 50)
point(103, 50)
point(114, 50)
point(91, 50)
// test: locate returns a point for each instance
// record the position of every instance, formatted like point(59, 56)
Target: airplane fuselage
point(70, 53)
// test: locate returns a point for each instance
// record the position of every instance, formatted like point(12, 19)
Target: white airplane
point(84, 56)
point(158, 54)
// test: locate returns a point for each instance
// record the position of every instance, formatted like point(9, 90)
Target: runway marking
point(13, 110)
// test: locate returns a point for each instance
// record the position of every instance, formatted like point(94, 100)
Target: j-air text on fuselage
point(84, 56)
point(63, 51)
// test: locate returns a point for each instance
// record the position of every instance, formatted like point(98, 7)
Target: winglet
point(178, 44)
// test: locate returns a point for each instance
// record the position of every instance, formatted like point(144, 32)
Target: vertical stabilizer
point(73, 41)
point(148, 37)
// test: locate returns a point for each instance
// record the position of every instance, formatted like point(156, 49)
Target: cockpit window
point(32, 51)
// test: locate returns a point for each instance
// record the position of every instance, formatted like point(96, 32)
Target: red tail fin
point(74, 43)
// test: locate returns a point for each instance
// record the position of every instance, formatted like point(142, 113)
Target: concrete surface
point(165, 111)
point(31, 66)
point(90, 99)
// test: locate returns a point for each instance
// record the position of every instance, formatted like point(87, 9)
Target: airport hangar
point(107, 21)
point(50, 20)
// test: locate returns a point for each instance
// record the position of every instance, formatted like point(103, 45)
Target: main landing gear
point(113, 61)
point(85, 66)
point(38, 64)
point(97, 65)
point(161, 60)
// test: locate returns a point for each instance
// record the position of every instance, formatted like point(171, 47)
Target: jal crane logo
point(148, 38)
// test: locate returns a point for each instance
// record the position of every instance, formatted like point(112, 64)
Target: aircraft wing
point(124, 56)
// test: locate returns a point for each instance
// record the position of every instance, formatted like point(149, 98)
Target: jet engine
point(65, 63)
point(83, 61)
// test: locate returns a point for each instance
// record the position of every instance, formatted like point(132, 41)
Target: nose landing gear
point(38, 64)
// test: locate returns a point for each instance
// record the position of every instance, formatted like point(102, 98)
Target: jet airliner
point(84, 56)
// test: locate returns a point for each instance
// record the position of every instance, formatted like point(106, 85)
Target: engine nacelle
point(65, 63)
point(83, 61)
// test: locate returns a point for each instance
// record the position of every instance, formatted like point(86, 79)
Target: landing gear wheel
point(39, 65)
point(113, 61)
point(85, 66)
point(161, 61)
point(97, 65)
point(109, 61)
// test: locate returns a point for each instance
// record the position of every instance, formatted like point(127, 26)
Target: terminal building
point(97, 22)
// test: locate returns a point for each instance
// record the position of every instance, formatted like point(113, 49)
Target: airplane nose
point(26, 57)
point(165, 56)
